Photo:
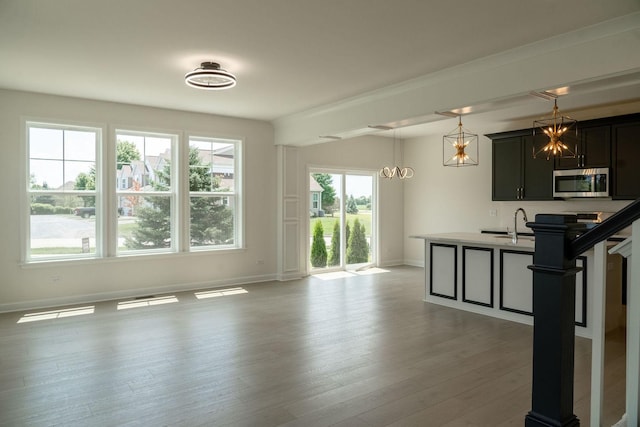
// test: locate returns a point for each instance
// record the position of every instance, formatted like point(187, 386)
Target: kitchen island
point(487, 274)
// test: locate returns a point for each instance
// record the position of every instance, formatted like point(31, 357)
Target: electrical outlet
point(54, 279)
point(493, 212)
point(260, 262)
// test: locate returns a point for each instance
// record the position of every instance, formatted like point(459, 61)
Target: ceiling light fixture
point(555, 128)
point(394, 171)
point(460, 147)
point(210, 77)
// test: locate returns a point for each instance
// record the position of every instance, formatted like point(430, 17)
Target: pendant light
point(210, 77)
point(555, 128)
point(460, 147)
point(390, 172)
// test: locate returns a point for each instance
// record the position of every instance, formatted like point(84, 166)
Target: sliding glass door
point(341, 220)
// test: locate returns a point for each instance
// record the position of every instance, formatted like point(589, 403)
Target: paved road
point(64, 230)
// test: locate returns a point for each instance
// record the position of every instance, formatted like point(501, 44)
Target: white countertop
point(524, 242)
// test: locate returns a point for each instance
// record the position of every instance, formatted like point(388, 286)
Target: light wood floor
point(358, 351)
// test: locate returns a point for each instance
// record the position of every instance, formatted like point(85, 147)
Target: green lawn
point(327, 222)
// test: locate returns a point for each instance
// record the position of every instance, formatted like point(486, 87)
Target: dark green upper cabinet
point(592, 148)
point(538, 172)
point(516, 174)
point(507, 168)
point(626, 152)
point(610, 142)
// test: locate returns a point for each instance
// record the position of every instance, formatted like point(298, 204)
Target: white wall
point(445, 199)
point(29, 286)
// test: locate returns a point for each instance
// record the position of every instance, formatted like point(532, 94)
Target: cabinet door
point(538, 172)
point(572, 141)
point(596, 147)
point(507, 168)
point(626, 147)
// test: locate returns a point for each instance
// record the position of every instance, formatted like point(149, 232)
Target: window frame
point(236, 195)
point(106, 192)
point(29, 123)
point(172, 193)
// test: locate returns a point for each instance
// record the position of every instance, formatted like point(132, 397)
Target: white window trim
point(25, 173)
point(237, 194)
point(173, 192)
point(106, 193)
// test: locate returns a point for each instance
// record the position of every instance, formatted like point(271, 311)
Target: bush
point(318, 247)
point(334, 258)
point(358, 250)
point(47, 209)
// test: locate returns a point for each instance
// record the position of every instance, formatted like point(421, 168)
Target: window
point(213, 192)
point(166, 197)
point(145, 192)
point(62, 196)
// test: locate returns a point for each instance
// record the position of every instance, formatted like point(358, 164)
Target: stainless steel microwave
point(581, 183)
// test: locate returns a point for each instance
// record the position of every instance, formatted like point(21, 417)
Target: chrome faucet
point(514, 235)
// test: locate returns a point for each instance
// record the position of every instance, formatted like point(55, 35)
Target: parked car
point(90, 211)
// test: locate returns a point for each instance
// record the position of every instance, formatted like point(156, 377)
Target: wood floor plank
point(350, 352)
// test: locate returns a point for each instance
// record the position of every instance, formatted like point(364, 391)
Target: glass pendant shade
point(558, 129)
point(460, 147)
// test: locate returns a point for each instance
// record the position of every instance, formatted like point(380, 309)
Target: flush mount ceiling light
point(210, 77)
point(460, 147)
point(555, 128)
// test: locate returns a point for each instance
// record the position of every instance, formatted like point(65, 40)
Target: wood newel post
point(554, 294)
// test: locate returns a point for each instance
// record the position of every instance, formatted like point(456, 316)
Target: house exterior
point(315, 190)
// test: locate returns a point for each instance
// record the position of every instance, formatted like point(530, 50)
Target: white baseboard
point(131, 293)
point(414, 262)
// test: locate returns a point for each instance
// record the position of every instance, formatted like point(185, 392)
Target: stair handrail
point(607, 228)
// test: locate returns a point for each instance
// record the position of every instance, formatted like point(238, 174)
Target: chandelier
point(395, 171)
point(555, 128)
point(460, 147)
point(210, 77)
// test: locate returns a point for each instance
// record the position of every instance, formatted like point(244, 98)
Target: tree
point(347, 234)
point(363, 200)
point(86, 181)
point(358, 250)
point(318, 246)
point(211, 219)
point(334, 257)
point(352, 208)
point(328, 192)
point(126, 152)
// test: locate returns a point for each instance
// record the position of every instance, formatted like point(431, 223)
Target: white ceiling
point(289, 56)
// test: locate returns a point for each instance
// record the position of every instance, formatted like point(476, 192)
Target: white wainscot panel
point(444, 274)
point(516, 282)
point(477, 275)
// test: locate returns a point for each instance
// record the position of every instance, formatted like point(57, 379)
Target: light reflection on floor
point(220, 293)
point(57, 314)
point(124, 305)
point(147, 302)
point(343, 274)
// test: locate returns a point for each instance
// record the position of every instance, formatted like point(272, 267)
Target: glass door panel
point(341, 220)
point(359, 220)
